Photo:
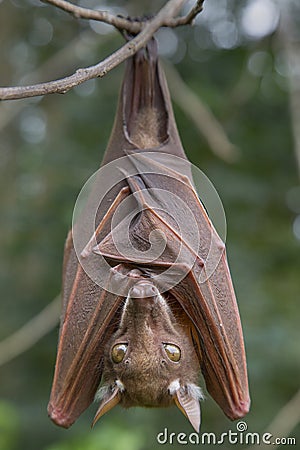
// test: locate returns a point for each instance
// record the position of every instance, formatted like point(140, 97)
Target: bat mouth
point(146, 307)
point(143, 290)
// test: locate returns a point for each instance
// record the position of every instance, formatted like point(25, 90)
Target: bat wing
point(213, 310)
point(144, 86)
point(87, 322)
point(192, 253)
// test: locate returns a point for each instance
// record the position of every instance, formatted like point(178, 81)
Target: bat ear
point(108, 401)
point(187, 399)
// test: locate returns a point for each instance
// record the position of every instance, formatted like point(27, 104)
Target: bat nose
point(143, 289)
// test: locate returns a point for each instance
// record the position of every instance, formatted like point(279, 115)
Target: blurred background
point(235, 81)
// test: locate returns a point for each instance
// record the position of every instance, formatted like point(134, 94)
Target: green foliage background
point(50, 146)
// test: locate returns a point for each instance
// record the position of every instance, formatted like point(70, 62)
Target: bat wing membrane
point(88, 312)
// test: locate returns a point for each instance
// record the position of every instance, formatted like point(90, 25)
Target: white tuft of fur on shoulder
point(120, 385)
point(102, 392)
point(174, 386)
point(195, 391)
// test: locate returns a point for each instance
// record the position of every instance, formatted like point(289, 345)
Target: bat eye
point(118, 352)
point(173, 352)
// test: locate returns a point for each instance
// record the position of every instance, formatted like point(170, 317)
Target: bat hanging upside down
point(148, 301)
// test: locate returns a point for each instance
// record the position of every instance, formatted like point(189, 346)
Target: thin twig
point(188, 19)
point(201, 116)
point(119, 22)
point(63, 58)
point(132, 26)
point(283, 423)
point(63, 85)
point(30, 333)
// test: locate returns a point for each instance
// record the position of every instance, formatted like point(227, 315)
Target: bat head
point(151, 360)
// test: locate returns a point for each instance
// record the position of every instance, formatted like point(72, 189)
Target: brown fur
point(145, 131)
point(146, 372)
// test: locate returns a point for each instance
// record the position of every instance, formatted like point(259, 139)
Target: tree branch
point(119, 22)
point(30, 333)
point(188, 19)
point(63, 58)
point(61, 86)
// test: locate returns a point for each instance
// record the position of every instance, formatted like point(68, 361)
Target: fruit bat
point(148, 301)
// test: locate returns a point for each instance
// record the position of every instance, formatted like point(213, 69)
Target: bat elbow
point(240, 410)
point(59, 417)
